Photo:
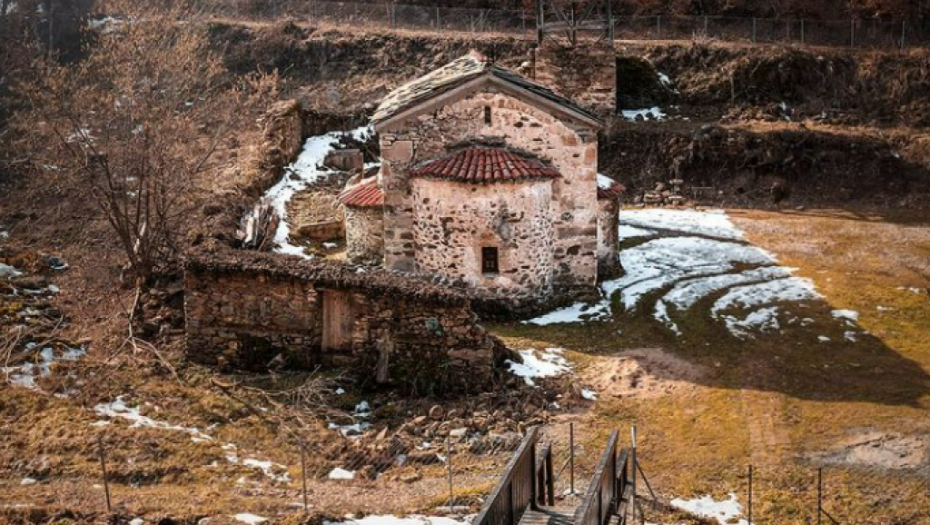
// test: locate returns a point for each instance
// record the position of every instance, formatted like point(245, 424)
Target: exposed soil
point(887, 450)
point(642, 373)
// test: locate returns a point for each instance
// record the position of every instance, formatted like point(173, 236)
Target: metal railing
point(857, 33)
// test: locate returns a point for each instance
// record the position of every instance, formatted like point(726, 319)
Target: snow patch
point(341, 473)
point(710, 223)
point(850, 316)
point(119, 409)
point(724, 512)
point(306, 170)
point(590, 395)
point(573, 314)
point(250, 519)
point(761, 320)
point(631, 232)
point(25, 375)
point(653, 113)
point(548, 363)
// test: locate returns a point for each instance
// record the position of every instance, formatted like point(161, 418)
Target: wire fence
point(862, 33)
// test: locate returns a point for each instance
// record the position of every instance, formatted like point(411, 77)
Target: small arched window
point(490, 260)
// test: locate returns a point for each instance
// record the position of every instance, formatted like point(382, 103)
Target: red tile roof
point(366, 194)
point(485, 165)
point(612, 192)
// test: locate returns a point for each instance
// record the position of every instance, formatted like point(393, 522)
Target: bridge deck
point(558, 515)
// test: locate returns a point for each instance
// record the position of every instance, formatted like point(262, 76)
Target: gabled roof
point(485, 165)
point(462, 70)
point(365, 194)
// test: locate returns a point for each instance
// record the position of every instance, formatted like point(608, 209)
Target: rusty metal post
point(820, 496)
point(635, 468)
point(571, 456)
point(303, 475)
point(449, 462)
point(101, 451)
point(750, 495)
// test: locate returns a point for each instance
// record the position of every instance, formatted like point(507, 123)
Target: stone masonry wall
point(450, 232)
point(364, 235)
point(243, 320)
point(608, 238)
point(585, 73)
point(249, 309)
point(571, 149)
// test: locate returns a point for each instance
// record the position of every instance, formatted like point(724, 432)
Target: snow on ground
point(273, 471)
point(662, 262)
point(780, 290)
point(250, 519)
point(573, 314)
point(119, 409)
point(761, 320)
point(539, 363)
point(711, 223)
point(686, 256)
point(341, 473)
point(850, 316)
point(307, 169)
point(654, 113)
point(724, 512)
point(590, 395)
point(25, 375)
point(408, 520)
point(631, 232)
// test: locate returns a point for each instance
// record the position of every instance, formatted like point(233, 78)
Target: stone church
point(490, 178)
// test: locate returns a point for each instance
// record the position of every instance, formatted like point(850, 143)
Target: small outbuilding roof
point(485, 165)
point(462, 70)
point(608, 188)
point(365, 194)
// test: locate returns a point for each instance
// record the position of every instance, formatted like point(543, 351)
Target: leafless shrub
point(135, 123)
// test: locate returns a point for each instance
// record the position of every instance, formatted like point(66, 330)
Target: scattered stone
point(436, 413)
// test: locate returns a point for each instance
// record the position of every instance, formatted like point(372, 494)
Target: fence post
point(571, 457)
point(819, 495)
point(633, 458)
point(658, 27)
point(540, 20)
point(523, 21)
point(438, 22)
point(753, 30)
point(393, 8)
point(802, 33)
point(903, 29)
point(750, 495)
point(705, 26)
point(303, 475)
point(449, 462)
point(852, 32)
point(101, 451)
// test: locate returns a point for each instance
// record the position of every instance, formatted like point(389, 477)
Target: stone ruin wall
point(515, 217)
point(238, 319)
point(245, 313)
point(365, 235)
point(608, 239)
point(522, 126)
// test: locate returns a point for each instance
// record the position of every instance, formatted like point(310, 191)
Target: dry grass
point(776, 402)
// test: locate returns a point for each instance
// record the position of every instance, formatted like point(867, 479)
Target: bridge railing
point(516, 491)
point(545, 479)
point(601, 500)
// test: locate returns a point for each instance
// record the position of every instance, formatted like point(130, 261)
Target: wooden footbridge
point(525, 494)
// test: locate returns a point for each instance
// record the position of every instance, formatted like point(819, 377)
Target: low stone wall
point(252, 310)
point(365, 235)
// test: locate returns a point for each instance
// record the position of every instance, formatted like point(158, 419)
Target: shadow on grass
point(814, 361)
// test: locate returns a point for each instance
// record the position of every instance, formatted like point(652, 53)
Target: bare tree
point(137, 121)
